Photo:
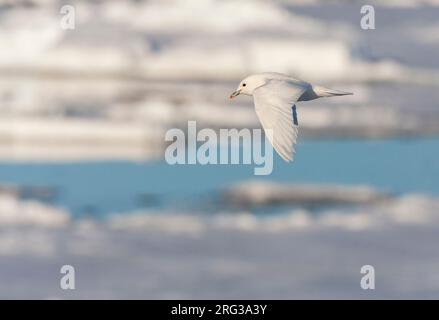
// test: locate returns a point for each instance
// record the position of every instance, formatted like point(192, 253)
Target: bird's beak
point(234, 94)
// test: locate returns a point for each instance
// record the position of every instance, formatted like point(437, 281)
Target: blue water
point(99, 188)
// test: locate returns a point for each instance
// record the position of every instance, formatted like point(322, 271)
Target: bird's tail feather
point(326, 92)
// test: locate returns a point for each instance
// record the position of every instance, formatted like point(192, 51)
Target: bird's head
point(249, 84)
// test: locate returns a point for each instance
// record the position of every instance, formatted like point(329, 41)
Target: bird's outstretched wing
point(276, 109)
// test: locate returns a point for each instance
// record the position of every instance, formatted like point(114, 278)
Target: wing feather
point(276, 110)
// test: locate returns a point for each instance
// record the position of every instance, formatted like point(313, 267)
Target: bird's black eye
point(243, 84)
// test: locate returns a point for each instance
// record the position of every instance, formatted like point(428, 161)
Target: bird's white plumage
point(275, 95)
point(273, 104)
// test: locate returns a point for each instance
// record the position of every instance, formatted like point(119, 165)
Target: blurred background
point(83, 181)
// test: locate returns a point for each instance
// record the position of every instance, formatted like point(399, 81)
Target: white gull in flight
point(275, 96)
